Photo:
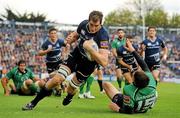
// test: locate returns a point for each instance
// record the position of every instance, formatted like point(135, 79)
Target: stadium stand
point(23, 40)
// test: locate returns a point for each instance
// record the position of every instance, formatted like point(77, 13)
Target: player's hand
point(131, 68)
point(71, 37)
point(50, 48)
point(87, 45)
point(114, 107)
point(7, 93)
point(164, 58)
point(129, 46)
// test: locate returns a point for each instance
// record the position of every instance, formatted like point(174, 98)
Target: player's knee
point(27, 83)
point(40, 83)
point(73, 84)
point(56, 80)
point(63, 71)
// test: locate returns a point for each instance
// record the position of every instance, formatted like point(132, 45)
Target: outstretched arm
point(139, 59)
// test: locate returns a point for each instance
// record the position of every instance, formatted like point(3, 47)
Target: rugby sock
point(33, 88)
point(43, 93)
point(100, 85)
point(81, 88)
point(119, 81)
point(89, 82)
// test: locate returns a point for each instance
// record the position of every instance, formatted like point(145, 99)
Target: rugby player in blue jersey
point(127, 61)
point(52, 48)
point(88, 32)
point(151, 46)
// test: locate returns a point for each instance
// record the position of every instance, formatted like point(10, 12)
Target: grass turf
point(167, 106)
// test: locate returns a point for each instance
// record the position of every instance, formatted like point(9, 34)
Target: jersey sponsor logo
point(57, 45)
point(157, 43)
point(104, 44)
point(126, 99)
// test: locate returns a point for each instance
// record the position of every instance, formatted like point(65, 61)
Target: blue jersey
point(127, 56)
point(55, 54)
point(152, 51)
point(101, 37)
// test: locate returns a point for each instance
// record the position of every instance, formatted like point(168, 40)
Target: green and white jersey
point(140, 100)
point(118, 43)
point(19, 77)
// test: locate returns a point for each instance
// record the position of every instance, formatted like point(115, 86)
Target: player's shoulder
point(129, 89)
point(83, 23)
point(28, 70)
point(146, 40)
point(14, 69)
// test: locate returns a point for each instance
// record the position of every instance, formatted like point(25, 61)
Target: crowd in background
point(24, 44)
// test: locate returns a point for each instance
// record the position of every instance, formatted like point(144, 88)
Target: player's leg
point(81, 90)
point(110, 89)
point(74, 84)
point(29, 87)
point(156, 75)
point(88, 87)
point(63, 72)
point(83, 71)
point(119, 77)
point(128, 78)
point(100, 78)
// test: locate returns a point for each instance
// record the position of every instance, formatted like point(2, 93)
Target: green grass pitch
point(167, 106)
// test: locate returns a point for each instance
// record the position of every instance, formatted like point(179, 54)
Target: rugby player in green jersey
point(138, 97)
point(118, 42)
point(25, 82)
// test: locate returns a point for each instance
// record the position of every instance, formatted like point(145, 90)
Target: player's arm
point(114, 52)
point(4, 82)
point(120, 60)
point(72, 37)
point(101, 56)
point(142, 49)
point(138, 58)
point(114, 107)
point(44, 50)
point(165, 51)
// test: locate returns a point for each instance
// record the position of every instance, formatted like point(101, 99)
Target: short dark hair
point(141, 80)
point(52, 29)
point(95, 16)
point(151, 27)
point(120, 30)
point(21, 62)
point(129, 37)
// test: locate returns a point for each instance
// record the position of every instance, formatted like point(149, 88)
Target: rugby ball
point(94, 46)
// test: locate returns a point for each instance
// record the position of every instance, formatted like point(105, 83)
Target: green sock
point(89, 82)
point(33, 88)
point(81, 88)
point(119, 81)
point(126, 82)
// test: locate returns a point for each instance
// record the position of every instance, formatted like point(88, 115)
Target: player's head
point(120, 33)
point(141, 80)
point(22, 65)
point(151, 31)
point(130, 38)
point(95, 20)
point(53, 33)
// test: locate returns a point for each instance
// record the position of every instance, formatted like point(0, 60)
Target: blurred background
point(24, 26)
